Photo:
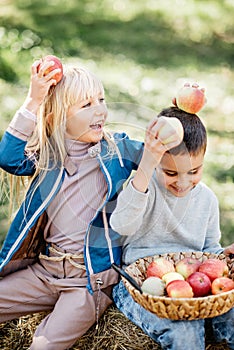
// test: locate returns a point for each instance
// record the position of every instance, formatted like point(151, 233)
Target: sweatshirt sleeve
point(22, 124)
point(129, 212)
point(213, 234)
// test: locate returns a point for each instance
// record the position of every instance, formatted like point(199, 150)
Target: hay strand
point(115, 332)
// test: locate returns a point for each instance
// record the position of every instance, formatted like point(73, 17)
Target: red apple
point(154, 286)
point(187, 266)
point(171, 276)
point(200, 283)
point(159, 267)
point(179, 289)
point(214, 268)
point(222, 284)
point(191, 98)
point(57, 64)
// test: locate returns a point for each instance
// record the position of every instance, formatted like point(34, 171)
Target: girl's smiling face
point(180, 173)
point(86, 119)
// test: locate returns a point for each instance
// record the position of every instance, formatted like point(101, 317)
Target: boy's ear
point(49, 118)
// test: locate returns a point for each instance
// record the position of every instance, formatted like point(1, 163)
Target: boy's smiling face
point(180, 173)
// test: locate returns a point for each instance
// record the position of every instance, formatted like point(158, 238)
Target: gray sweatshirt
point(158, 222)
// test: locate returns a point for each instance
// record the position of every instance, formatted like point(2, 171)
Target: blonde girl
point(58, 251)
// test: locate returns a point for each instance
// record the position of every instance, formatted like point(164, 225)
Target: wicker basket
point(180, 308)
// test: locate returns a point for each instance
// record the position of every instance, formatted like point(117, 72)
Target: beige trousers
point(58, 286)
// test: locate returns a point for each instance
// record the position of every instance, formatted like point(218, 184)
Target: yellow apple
point(166, 133)
point(172, 276)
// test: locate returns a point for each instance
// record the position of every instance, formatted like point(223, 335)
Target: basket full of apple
point(181, 285)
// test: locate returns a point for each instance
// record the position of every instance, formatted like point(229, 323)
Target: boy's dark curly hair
point(195, 136)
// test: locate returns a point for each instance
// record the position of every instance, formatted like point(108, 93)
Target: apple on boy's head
point(214, 268)
point(159, 266)
point(187, 266)
point(190, 98)
point(200, 283)
point(57, 64)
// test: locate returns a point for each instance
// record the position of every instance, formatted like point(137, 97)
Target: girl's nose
point(100, 109)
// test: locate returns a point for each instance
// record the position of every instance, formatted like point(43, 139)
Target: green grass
point(143, 52)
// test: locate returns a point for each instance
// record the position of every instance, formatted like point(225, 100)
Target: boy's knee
point(177, 335)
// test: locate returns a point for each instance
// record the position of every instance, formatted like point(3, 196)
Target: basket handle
point(127, 276)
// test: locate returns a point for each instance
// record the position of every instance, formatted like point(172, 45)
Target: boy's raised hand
point(162, 134)
point(39, 85)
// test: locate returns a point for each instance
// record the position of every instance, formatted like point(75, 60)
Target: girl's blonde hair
point(47, 144)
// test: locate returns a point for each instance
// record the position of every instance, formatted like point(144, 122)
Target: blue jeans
point(170, 334)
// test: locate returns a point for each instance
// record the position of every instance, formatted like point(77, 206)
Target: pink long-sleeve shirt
point(82, 191)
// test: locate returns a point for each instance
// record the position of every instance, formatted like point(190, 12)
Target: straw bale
point(114, 332)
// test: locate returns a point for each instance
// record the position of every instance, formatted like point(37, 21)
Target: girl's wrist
point(31, 105)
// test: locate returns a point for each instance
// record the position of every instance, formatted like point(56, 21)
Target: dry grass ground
point(115, 332)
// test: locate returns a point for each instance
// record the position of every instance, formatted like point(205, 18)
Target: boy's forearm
point(145, 171)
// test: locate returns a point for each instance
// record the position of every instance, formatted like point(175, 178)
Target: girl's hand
point(39, 85)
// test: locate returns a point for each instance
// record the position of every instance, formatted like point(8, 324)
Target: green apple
point(153, 286)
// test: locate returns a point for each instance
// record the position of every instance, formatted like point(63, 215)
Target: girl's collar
point(79, 151)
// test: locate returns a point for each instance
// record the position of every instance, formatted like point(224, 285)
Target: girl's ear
point(49, 119)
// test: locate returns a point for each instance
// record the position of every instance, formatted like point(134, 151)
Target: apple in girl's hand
point(154, 286)
point(172, 124)
point(222, 284)
point(191, 98)
point(179, 289)
point(200, 284)
point(187, 266)
point(159, 266)
point(57, 64)
point(171, 276)
point(214, 268)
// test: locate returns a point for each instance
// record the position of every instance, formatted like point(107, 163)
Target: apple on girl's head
point(200, 284)
point(57, 64)
point(179, 289)
point(190, 98)
point(222, 284)
point(154, 286)
point(159, 266)
point(171, 276)
point(187, 266)
point(214, 268)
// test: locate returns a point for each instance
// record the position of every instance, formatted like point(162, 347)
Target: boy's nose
point(182, 181)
